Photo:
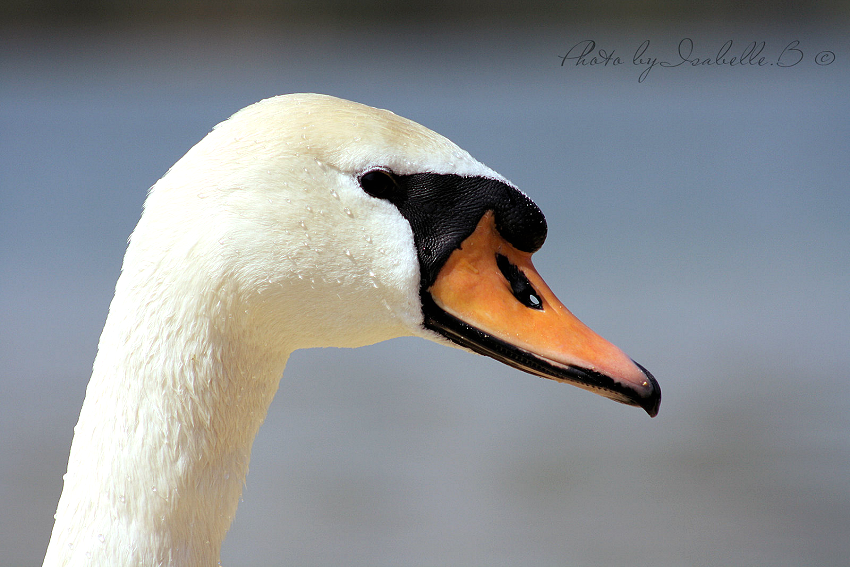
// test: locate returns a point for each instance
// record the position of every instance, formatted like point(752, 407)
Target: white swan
point(301, 221)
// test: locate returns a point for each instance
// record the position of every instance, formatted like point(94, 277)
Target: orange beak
point(491, 299)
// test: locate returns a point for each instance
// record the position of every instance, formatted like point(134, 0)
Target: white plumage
point(258, 242)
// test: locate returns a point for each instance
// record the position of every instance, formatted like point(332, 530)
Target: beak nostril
point(522, 289)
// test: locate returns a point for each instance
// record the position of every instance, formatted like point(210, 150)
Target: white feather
point(259, 241)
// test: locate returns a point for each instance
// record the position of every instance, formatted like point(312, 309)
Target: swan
point(302, 221)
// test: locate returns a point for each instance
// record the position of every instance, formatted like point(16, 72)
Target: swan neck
point(162, 446)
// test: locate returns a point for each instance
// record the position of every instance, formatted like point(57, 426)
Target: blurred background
point(699, 219)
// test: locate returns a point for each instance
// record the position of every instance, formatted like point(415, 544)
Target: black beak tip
point(651, 402)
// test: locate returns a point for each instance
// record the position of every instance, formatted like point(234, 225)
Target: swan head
point(312, 221)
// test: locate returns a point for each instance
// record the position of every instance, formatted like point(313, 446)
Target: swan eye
point(520, 286)
point(379, 183)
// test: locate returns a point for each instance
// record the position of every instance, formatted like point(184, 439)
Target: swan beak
point(490, 299)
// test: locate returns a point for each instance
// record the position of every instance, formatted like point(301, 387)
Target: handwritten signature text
point(587, 53)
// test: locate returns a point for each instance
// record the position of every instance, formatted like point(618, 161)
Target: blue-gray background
point(700, 220)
